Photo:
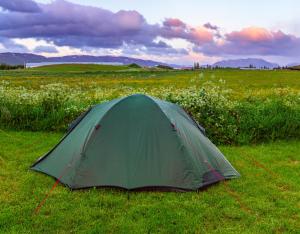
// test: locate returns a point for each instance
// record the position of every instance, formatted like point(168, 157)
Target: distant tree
point(134, 65)
point(10, 67)
point(196, 66)
point(294, 68)
point(165, 67)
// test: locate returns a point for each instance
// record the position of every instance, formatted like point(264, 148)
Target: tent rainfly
point(136, 142)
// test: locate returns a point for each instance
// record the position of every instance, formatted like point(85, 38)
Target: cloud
point(175, 28)
point(254, 41)
point(210, 26)
point(173, 22)
point(45, 49)
point(28, 6)
point(64, 24)
point(10, 45)
point(158, 48)
point(86, 26)
point(68, 24)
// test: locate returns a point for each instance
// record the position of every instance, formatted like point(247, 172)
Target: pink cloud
point(254, 41)
point(201, 35)
point(68, 24)
point(251, 34)
point(175, 28)
point(130, 20)
point(173, 22)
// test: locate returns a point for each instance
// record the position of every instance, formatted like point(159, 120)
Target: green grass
point(266, 199)
point(251, 106)
point(79, 68)
point(107, 76)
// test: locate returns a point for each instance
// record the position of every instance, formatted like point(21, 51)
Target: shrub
point(134, 65)
point(10, 67)
point(253, 119)
point(161, 66)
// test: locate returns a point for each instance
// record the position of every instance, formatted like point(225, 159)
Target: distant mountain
point(243, 63)
point(18, 59)
point(21, 58)
point(293, 65)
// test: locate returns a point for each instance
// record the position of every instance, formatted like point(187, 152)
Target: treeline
point(4, 66)
point(295, 68)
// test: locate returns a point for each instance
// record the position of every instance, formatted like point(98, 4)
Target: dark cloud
point(210, 26)
point(28, 6)
point(70, 24)
point(67, 24)
point(157, 48)
point(45, 49)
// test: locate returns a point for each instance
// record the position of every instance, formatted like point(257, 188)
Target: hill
point(244, 63)
point(21, 58)
point(293, 64)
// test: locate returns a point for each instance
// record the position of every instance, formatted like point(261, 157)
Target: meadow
point(264, 200)
point(252, 115)
point(235, 106)
point(108, 76)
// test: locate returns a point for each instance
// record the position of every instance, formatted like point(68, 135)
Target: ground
point(266, 199)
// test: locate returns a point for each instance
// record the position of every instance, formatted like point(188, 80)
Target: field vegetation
point(239, 109)
point(264, 200)
point(10, 67)
point(235, 106)
point(295, 67)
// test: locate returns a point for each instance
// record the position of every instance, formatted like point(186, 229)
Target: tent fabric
point(136, 142)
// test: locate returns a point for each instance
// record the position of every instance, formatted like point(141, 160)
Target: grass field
point(244, 107)
point(266, 199)
point(110, 77)
point(79, 68)
point(235, 106)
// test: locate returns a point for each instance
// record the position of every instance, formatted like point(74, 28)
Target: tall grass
point(253, 119)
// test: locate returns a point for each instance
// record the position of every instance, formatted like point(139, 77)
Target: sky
point(173, 31)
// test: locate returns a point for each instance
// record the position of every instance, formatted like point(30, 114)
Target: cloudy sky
point(173, 31)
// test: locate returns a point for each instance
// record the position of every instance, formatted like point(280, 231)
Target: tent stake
point(37, 209)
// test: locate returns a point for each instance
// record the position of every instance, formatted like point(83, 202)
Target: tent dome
point(136, 142)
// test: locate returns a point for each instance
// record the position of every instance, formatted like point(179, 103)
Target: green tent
point(136, 142)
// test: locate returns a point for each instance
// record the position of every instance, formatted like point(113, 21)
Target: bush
point(164, 67)
point(250, 120)
point(134, 65)
point(10, 67)
point(253, 119)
